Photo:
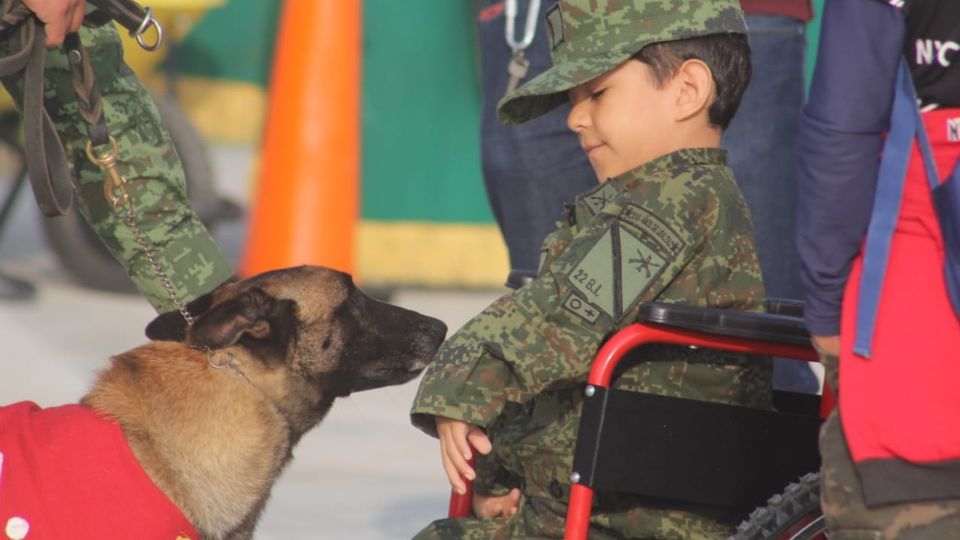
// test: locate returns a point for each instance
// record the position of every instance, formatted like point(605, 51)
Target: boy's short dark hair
point(727, 56)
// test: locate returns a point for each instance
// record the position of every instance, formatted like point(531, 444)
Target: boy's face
point(622, 119)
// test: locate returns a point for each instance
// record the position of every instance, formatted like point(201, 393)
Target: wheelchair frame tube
point(606, 360)
point(461, 505)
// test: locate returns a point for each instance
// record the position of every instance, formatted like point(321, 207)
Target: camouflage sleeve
point(544, 335)
point(184, 248)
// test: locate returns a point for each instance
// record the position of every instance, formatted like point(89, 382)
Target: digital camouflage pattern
point(182, 245)
point(590, 37)
point(847, 516)
point(673, 230)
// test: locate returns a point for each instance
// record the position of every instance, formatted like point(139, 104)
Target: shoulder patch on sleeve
point(593, 276)
point(615, 272)
point(641, 264)
point(601, 196)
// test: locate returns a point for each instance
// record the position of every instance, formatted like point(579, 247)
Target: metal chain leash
point(115, 192)
point(131, 222)
point(115, 185)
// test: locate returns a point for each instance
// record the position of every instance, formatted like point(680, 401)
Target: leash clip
point(147, 22)
point(114, 187)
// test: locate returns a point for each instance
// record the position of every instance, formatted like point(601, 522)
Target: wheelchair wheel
point(792, 515)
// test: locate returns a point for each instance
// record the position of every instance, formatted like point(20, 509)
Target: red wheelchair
point(694, 451)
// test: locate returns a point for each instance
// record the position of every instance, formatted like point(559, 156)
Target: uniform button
point(556, 489)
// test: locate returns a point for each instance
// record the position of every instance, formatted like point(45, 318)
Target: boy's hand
point(456, 437)
point(502, 506)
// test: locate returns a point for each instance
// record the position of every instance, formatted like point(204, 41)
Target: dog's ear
point(254, 313)
point(171, 326)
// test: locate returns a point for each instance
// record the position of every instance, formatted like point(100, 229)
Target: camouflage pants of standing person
point(182, 246)
point(847, 516)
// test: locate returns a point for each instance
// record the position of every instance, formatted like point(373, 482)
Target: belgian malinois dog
point(212, 411)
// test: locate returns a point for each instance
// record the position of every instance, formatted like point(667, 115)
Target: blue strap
point(905, 123)
point(886, 207)
point(924, 142)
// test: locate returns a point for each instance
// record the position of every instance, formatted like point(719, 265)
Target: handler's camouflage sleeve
point(183, 247)
point(674, 230)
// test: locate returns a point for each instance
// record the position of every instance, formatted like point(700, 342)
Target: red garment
point(800, 10)
point(900, 409)
point(67, 473)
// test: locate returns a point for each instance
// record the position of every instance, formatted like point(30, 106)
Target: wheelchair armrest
point(783, 323)
point(784, 306)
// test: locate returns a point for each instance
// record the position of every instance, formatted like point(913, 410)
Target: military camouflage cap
point(590, 37)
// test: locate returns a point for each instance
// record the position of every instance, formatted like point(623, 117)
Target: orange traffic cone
point(306, 205)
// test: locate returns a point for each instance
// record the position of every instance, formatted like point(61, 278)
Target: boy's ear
point(695, 89)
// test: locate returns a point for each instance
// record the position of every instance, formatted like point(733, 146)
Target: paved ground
point(364, 474)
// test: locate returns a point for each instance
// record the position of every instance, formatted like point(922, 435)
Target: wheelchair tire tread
point(800, 499)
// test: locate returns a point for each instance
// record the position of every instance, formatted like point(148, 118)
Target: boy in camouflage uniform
point(653, 84)
point(184, 248)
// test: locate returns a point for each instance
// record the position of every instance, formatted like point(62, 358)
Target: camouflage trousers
point(533, 446)
point(544, 518)
point(183, 247)
point(847, 516)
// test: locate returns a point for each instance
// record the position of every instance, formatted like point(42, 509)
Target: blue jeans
point(762, 142)
point(532, 169)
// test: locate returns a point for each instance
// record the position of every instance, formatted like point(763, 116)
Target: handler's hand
point(500, 506)
point(456, 437)
point(60, 17)
point(827, 344)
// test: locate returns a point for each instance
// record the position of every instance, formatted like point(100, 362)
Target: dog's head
point(314, 326)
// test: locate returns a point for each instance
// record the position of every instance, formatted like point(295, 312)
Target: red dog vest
point(67, 473)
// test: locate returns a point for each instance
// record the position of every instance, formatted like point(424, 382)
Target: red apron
point(900, 409)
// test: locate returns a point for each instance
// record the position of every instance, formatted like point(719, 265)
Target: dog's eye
point(326, 343)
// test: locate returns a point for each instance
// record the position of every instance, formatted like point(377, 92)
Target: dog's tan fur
point(213, 412)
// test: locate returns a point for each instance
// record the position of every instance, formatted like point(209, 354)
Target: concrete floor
point(364, 474)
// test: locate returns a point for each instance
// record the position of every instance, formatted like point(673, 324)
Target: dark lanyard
point(905, 123)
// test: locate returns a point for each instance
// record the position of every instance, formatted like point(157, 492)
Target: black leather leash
point(47, 164)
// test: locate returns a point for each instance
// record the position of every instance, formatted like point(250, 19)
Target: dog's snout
point(435, 328)
point(430, 334)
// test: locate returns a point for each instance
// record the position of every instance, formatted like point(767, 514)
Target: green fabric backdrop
point(421, 98)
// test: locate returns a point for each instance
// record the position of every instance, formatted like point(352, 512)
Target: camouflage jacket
point(673, 230)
